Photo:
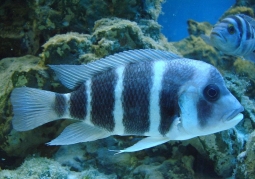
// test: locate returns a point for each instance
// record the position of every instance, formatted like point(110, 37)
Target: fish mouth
point(215, 34)
point(233, 115)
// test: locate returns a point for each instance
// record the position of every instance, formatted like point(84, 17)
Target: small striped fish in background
point(234, 35)
point(139, 92)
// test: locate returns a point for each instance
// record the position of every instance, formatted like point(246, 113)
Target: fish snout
point(232, 114)
point(217, 35)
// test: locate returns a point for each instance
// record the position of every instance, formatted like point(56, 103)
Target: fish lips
point(216, 35)
point(233, 115)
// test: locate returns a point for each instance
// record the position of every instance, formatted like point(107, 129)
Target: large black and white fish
point(139, 92)
point(234, 35)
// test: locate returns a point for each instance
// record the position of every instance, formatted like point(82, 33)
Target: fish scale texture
point(78, 103)
point(137, 84)
point(103, 99)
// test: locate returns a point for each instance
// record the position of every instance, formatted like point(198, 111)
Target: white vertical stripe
point(158, 70)
point(67, 111)
point(118, 109)
point(243, 27)
point(88, 93)
point(243, 49)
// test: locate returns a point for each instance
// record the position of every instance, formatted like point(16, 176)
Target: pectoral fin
point(144, 144)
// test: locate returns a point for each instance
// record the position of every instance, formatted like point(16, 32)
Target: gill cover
point(188, 112)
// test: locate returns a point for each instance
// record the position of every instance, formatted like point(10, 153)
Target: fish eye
point(211, 92)
point(231, 29)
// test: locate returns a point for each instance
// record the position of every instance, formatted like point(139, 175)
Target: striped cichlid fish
point(148, 92)
point(234, 35)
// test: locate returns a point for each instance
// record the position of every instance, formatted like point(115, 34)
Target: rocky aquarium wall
point(37, 33)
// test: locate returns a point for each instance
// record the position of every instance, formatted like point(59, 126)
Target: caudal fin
point(35, 107)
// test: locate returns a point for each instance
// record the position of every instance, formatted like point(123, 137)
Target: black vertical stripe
point(248, 30)
point(137, 84)
point(174, 76)
point(60, 104)
point(205, 108)
point(239, 24)
point(239, 28)
point(204, 111)
point(102, 99)
point(78, 103)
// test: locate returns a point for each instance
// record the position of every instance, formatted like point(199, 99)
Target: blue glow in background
point(177, 12)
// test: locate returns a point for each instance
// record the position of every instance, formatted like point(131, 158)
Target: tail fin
point(32, 108)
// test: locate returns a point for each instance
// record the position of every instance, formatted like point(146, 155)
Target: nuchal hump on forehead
point(234, 35)
point(148, 92)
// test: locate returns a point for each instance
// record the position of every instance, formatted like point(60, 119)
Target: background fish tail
point(35, 107)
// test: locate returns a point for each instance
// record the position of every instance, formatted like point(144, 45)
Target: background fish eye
point(231, 29)
point(211, 92)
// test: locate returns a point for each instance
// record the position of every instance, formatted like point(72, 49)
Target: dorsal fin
point(74, 75)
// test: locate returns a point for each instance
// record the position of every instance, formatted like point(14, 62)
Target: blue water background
point(177, 12)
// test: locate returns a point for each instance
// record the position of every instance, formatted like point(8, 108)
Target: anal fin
point(145, 143)
point(79, 132)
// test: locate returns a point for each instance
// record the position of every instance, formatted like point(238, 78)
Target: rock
point(15, 72)
point(26, 27)
point(246, 159)
point(66, 48)
point(18, 72)
point(238, 10)
point(141, 164)
point(46, 168)
point(196, 29)
point(109, 36)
